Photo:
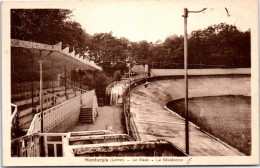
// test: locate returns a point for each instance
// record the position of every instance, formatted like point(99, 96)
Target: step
point(86, 121)
point(81, 116)
point(26, 125)
point(85, 117)
point(86, 109)
point(26, 115)
point(20, 96)
point(28, 111)
point(86, 112)
point(46, 96)
point(45, 105)
point(23, 122)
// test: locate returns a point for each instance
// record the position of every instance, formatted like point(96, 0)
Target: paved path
point(109, 117)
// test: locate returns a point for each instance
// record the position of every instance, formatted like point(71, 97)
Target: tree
point(48, 26)
point(220, 45)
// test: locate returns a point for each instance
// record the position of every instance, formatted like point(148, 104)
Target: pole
point(32, 83)
point(52, 88)
point(80, 76)
point(129, 86)
point(65, 82)
point(186, 80)
point(41, 98)
point(40, 61)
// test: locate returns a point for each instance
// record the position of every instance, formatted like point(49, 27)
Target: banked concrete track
point(154, 121)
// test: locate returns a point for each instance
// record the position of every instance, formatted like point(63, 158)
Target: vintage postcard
point(128, 83)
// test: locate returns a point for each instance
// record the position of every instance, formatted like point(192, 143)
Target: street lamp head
point(197, 11)
point(227, 12)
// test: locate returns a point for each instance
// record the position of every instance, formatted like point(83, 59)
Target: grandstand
point(25, 73)
point(65, 103)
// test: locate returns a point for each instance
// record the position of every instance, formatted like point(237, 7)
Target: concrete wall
point(176, 72)
point(95, 108)
point(69, 122)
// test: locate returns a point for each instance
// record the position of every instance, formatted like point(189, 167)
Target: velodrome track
point(153, 121)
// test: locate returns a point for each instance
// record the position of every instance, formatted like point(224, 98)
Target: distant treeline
point(218, 46)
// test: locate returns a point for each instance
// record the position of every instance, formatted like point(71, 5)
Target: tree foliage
point(48, 26)
point(219, 45)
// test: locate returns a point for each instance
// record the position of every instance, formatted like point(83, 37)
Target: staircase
point(85, 115)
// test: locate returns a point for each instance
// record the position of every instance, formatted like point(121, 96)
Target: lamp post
point(129, 85)
point(185, 15)
point(129, 45)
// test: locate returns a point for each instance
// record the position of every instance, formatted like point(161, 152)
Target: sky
point(156, 19)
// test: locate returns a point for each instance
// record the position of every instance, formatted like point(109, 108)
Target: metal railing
point(35, 126)
point(55, 115)
point(14, 121)
point(72, 84)
point(14, 113)
point(110, 86)
point(124, 84)
point(26, 146)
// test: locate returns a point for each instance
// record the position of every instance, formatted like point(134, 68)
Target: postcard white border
point(192, 160)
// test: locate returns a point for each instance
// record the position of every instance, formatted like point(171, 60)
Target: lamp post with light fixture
point(185, 15)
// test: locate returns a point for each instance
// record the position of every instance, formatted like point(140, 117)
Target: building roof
point(139, 69)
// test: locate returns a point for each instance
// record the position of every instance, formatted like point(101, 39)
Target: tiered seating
point(51, 97)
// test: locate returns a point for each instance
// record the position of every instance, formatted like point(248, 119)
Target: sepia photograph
point(121, 83)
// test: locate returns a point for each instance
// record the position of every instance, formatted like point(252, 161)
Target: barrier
point(26, 146)
point(14, 120)
point(75, 144)
point(53, 116)
point(116, 89)
point(35, 126)
point(181, 72)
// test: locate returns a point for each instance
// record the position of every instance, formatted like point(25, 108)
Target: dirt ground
point(226, 117)
point(109, 118)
